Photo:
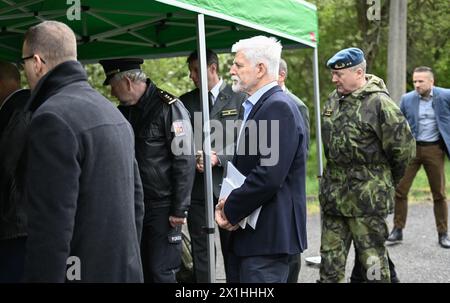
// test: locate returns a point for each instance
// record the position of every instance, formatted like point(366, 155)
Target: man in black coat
point(13, 123)
point(165, 154)
point(225, 106)
point(84, 194)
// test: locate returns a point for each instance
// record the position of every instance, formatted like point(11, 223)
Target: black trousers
point(196, 222)
point(161, 255)
point(295, 263)
point(259, 269)
point(12, 260)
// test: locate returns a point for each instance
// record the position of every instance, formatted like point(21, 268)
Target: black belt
point(423, 143)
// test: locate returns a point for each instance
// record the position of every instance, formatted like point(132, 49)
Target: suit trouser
point(197, 220)
point(432, 158)
point(368, 235)
point(258, 269)
point(295, 263)
point(161, 258)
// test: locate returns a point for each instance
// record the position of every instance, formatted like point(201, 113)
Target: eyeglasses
point(22, 60)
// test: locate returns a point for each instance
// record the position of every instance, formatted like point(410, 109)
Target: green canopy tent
point(163, 28)
point(117, 28)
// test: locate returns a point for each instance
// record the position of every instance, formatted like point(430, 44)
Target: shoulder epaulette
point(166, 97)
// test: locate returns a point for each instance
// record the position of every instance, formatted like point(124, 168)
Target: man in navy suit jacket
point(271, 154)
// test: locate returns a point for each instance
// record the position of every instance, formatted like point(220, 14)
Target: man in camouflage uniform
point(368, 145)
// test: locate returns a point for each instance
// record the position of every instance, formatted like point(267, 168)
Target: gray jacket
point(227, 107)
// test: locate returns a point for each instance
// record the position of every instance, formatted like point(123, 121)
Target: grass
point(420, 190)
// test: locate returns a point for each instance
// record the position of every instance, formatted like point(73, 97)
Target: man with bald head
point(13, 123)
point(84, 193)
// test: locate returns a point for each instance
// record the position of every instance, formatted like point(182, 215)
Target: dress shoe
point(396, 235)
point(444, 241)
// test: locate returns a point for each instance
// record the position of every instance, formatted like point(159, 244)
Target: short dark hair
point(424, 69)
point(211, 58)
point(9, 71)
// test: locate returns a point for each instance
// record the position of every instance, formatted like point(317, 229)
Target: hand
point(221, 219)
point(175, 221)
point(214, 159)
point(199, 165)
point(199, 161)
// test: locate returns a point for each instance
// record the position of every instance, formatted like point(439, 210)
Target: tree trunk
point(397, 49)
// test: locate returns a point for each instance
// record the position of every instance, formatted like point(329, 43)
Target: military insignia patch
point(229, 112)
point(328, 113)
point(168, 98)
point(339, 65)
point(114, 71)
point(178, 128)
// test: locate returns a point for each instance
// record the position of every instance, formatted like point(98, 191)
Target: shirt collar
point(216, 89)
point(253, 99)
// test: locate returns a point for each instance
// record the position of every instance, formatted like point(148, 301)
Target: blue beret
point(346, 58)
point(115, 66)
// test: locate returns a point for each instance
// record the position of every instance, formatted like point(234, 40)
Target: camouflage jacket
point(368, 145)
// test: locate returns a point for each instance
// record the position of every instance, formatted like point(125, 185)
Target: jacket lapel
point(263, 99)
point(436, 102)
point(253, 112)
point(221, 101)
point(416, 105)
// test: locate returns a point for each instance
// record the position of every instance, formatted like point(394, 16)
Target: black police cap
point(115, 66)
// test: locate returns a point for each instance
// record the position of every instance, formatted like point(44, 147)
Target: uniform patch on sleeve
point(328, 113)
point(178, 128)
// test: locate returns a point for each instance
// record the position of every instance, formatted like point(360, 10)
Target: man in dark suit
point(224, 108)
point(282, 77)
point(275, 176)
point(295, 261)
point(84, 194)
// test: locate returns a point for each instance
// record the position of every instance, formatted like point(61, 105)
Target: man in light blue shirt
point(271, 154)
point(427, 110)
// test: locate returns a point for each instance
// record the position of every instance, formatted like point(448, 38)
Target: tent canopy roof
point(158, 28)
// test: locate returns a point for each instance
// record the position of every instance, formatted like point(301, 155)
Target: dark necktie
point(211, 100)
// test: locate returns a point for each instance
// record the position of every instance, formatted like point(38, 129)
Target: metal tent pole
point(210, 225)
point(315, 261)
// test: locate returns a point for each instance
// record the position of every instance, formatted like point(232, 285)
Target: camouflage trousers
point(368, 235)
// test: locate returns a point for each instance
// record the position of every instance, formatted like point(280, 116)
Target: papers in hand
point(234, 179)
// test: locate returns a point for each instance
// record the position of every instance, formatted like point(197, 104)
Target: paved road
point(418, 259)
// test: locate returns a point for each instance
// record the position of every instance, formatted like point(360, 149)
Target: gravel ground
point(418, 259)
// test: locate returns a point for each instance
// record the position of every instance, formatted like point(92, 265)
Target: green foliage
point(169, 74)
point(342, 24)
point(428, 43)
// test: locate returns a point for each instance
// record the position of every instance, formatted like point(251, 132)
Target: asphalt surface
point(418, 259)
